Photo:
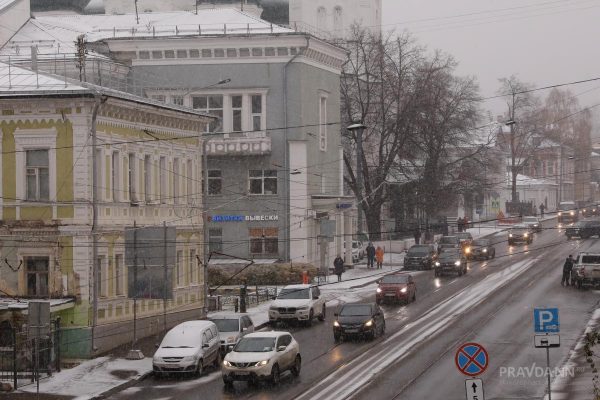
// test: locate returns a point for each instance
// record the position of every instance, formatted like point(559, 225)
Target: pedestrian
point(567, 268)
point(417, 234)
point(379, 257)
point(460, 224)
point(370, 255)
point(428, 236)
point(445, 230)
point(338, 267)
point(542, 209)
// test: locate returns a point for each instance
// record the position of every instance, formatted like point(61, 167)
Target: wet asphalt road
point(418, 355)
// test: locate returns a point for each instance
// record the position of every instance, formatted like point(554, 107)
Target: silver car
point(232, 327)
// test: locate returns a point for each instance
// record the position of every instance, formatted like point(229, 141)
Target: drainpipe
point(286, 160)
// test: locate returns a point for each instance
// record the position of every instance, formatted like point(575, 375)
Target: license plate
point(390, 295)
point(288, 316)
point(242, 373)
point(351, 330)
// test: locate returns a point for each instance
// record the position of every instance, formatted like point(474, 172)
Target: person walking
point(542, 209)
point(370, 255)
point(379, 256)
point(460, 223)
point(417, 235)
point(338, 267)
point(567, 268)
point(428, 236)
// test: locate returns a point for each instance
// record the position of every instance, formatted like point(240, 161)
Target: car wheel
point(228, 382)
point(158, 375)
point(323, 313)
point(414, 298)
point(460, 272)
point(297, 366)
point(383, 329)
point(378, 301)
point(199, 368)
point(311, 315)
point(275, 377)
point(337, 338)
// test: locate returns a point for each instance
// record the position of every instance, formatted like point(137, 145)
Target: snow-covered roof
point(7, 303)
point(6, 3)
point(524, 180)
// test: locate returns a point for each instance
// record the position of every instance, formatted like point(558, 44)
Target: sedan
point(453, 261)
point(482, 249)
point(533, 223)
point(362, 320)
point(520, 233)
point(396, 287)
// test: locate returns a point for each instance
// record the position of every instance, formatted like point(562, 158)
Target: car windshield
point(355, 310)
point(530, 219)
point(591, 259)
point(519, 230)
point(448, 240)
point(481, 242)
point(227, 325)
point(181, 338)
point(294, 294)
point(566, 206)
point(450, 254)
point(418, 251)
point(255, 345)
point(464, 235)
point(395, 279)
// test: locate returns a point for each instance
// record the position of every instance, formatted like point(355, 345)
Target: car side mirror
point(205, 346)
point(281, 348)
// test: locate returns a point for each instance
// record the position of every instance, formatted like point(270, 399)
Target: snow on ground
point(92, 377)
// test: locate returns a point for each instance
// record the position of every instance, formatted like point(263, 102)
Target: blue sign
point(545, 320)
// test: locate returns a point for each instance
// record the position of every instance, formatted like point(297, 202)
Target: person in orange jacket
point(379, 257)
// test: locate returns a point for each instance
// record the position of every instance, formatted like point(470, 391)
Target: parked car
point(262, 356)
point(358, 245)
point(188, 347)
point(586, 270)
point(362, 320)
point(451, 261)
point(297, 303)
point(583, 229)
point(533, 223)
point(420, 256)
point(355, 252)
point(231, 329)
point(520, 234)
point(448, 242)
point(482, 249)
point(567, 212)
point(396, 287)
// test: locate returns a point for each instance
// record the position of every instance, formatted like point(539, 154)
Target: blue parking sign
point(545, 320)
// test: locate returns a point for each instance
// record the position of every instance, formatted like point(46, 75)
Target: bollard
point(243, 291)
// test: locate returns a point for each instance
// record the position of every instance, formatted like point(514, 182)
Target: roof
point(56, 34)
point(22, 82)
point(6, 3)
point(23, 304)
point(272, 334)
point(194, 324)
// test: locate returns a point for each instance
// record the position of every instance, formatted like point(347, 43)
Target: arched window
point(338, 21)
point(321, 19)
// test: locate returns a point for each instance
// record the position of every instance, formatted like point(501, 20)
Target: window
point(264, 241)
point(191, 266)
point(215, 240)
point(338, 21)
point(176, 181)
point(179, 268)
point(102, 283)
point(37, 269)
point(323, 123)
point(115, 176)
point(147, 179)
point(162, 180)
point(182, 54)
point(38, 175)
point(177, 100)
point(257, 116)
point(119, 275)
point(190, 182)
point(215, 182)
point(263, 181)
point(169, 54)
point(236, 113)
point(132, 175)
point(159, 97)
point(321, 19)
point(212, 104)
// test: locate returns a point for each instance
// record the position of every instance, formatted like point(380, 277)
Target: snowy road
point(492, 304)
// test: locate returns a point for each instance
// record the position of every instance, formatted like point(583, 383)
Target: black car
point(583, 229)
point(362, 320)
point(420, 256)
point(446, 242)
point(482, 249)
point(520, 234)
point(451, 260)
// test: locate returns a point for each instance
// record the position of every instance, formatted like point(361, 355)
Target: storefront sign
point(242, 218)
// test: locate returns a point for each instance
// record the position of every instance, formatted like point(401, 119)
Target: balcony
point(246, 144)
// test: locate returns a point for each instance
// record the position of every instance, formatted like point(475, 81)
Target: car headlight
point(437, 263)
point(378, 290)
point(403, 290)
point(302, 308)
point(226, 363)
point(369, 323)
point(261, 363)
point(272, 308)
point(467, 250)
point(510, 235)
point(572, 213)
point(156, 359)
point(559, 214)
point(336, 324)
point(189, 358)
point(484, 251)
point(457, 263)
point(525, 234)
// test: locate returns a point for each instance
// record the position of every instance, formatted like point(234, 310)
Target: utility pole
point(137, 17)
point(94, 232)
point(513, 167)
point(358, 128)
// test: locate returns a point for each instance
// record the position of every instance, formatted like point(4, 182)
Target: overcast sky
point(543, 42)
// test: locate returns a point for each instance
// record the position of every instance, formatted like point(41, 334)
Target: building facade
point(148, 173)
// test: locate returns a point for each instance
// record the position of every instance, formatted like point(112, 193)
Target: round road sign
point(471, 359)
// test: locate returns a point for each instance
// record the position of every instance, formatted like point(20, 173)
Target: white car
point(188, 347)
point(232, 327)
point(299, 303)
point(262, 356)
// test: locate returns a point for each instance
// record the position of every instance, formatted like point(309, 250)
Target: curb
point(122, 386)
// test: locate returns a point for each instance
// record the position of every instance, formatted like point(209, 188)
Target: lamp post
point(358, 128)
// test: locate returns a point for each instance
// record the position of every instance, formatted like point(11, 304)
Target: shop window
point(263, 182)
point(264, 241)
point(37, 269)
point(215, 182)
point(38, 175)
point(215, 240)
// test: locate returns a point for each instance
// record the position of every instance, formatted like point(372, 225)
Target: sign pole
point(548, 372)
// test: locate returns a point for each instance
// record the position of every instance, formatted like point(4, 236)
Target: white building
point(125, 7)
point(333, 18)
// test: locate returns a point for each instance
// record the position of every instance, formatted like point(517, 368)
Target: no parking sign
point(471, 359)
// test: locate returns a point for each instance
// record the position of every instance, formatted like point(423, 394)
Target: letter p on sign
point(545, 320)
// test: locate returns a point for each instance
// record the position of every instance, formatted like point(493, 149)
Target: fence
point(253, 298)
point(20, 363)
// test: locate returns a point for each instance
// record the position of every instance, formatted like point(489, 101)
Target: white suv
point(262, 356)
point(297, 302)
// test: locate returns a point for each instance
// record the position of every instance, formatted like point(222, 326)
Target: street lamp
point(359, 128)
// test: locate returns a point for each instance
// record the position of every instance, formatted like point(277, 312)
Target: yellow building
point(149, 172)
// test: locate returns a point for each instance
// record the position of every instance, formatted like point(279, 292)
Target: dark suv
point(583, 229)
point(420, 256)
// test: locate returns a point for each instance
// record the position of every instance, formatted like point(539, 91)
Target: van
point(188, 348)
